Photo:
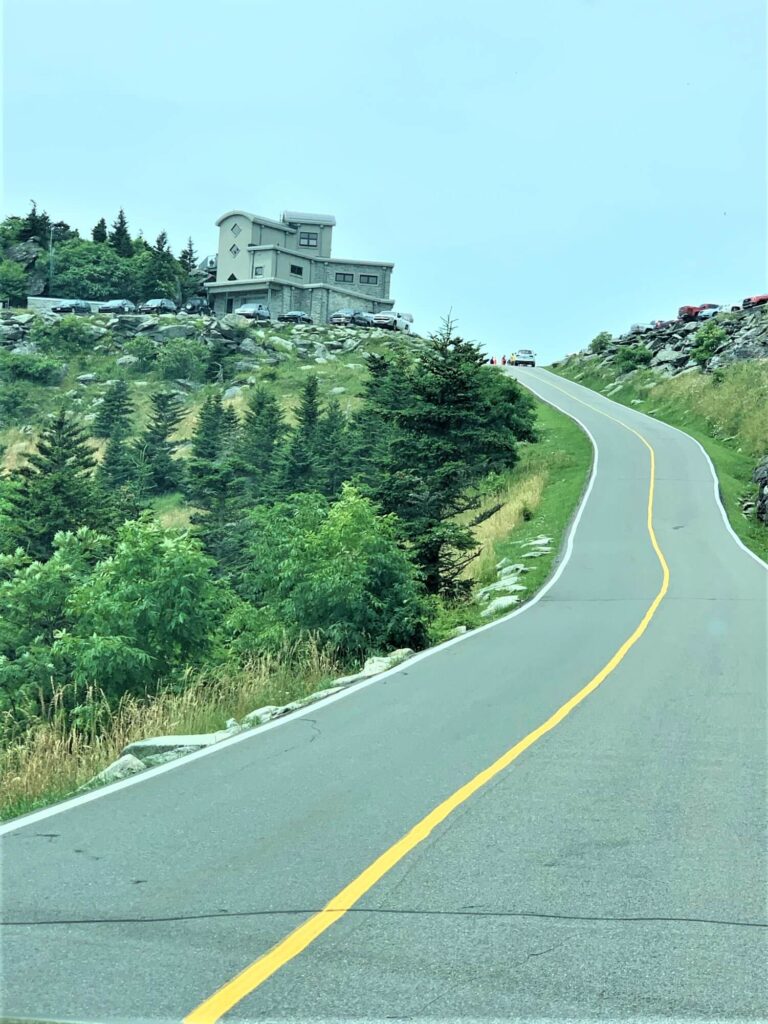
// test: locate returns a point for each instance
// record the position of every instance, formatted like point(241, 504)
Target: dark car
point(72, 306)
point(158, 306)
point(118, 306)
point(254, 311)
point(361, 319)
point(197, 304)
point(341, 317)
point(295, 316)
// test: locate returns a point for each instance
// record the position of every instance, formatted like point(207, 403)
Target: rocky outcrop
point(760, 477)
point(672, 344)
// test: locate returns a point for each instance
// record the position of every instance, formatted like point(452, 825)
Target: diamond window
point(234, 249)
point(236, 229)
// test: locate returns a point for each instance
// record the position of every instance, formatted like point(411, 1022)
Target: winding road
point(562, 815)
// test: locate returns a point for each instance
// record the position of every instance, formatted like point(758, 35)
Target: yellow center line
point(211, 1010)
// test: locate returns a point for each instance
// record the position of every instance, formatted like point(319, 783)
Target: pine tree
point(118, 467)
point(188, 257)
point(203, 465)
point(301, 466)
point(35, 225)
point(260, 447)
point(99, 232)
point(119, 238)
point(115, 411)
point(214, 371)
point(155, 450)
point(55, 490)
point(161, 243)
point(333, 456)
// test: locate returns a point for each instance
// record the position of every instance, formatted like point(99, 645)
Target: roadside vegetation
point(724, 409)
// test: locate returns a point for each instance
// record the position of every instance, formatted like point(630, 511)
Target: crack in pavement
point(462, 912)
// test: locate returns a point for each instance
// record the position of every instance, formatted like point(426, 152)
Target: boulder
point(233, 392)
point(126, 360)
point(170, 331)
point(501, 604)
point(670, 356)
point(261, 715)
point(166, 744)
point(760, 477)
point(122, 768)
point(338, 391)
point(233, 325)
point(87, 378)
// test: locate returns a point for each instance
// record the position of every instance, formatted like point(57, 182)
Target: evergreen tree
point(55, 490)
point(260, 447)
point(115, 411)
point(301, 466)
point(188, 257)
point(203, 466)
point(455, 421)
point(118, 467)
point(36, 225)
point(214, 371)
point(99, 232)
point(161, 243)
point(119, 238)
point(154, 449)
point(333, 455)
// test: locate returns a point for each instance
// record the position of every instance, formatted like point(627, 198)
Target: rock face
point(760, 476)
point(671, 345)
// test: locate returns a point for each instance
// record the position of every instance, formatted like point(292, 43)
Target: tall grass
point(519, 497)
point(55, 756)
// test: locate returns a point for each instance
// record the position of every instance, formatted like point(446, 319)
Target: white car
point(393, 321)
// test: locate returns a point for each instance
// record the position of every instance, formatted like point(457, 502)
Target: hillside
point(711, 380)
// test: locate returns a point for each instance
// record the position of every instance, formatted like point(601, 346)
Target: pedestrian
point(493, 360)
point(503, 360)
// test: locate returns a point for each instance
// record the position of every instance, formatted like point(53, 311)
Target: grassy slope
point(725, 412)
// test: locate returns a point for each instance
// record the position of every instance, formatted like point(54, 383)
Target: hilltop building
point(287, 264)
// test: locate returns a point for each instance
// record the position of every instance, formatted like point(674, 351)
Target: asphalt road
point(617, 869)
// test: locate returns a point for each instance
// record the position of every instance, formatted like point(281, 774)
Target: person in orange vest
point(503, 360)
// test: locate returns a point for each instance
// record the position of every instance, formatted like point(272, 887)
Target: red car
point(691, 312)
point(754, 300)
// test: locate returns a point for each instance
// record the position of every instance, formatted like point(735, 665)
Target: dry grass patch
point(520, 498)
point(18, 444)
point(57, 755)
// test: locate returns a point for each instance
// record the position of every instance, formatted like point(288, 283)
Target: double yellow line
point(260, 970)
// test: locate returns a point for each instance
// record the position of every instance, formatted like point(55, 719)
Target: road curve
point(614, 868)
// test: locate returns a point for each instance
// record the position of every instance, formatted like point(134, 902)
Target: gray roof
point(291, 217)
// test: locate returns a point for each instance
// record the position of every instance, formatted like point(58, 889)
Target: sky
point(541, 171)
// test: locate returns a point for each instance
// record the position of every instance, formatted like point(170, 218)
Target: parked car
point(361, 319)
point(118, 306)
point(254, 311)
point(640, 328)
point(690, 313)
point(754, 300)
point(158, 306)
point(392, 321)
point(341, 317)
point(295, 316)
point(523, 357)
point(72, 306)
point(197, 304)
point(709, 312)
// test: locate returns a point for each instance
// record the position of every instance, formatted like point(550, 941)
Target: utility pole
point(50, 262)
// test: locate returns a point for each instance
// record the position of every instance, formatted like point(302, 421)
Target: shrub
point(68, 334)
point(600, 342)
point(145, 351)
point(37, 369)
point(335, 571)
point(183, 358)
point(630, 357)
point(708, 340)
point(18, 403)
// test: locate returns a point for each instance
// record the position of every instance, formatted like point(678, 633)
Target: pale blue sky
point(546, 170)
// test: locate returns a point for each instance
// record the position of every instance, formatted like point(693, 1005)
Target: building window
point(258, 271)
point(298, 271)
point(346, 278)
point(308, 238)
point(231, 277)
point(369, 279)
point(234, 249)
point(235, 229)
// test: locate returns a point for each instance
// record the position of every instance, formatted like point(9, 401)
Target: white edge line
point(16, 824)
point(699, 445)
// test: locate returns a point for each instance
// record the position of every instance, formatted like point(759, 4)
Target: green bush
point(708, 340)
point(183, 358)
point(145, 351)
point(630, 357)
point(335, 571)
point(600, 342)
point(69, 334)
point(37, 369)
point(18, 403)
